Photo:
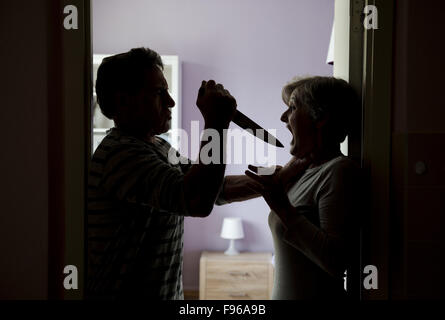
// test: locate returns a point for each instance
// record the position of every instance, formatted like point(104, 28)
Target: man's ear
point(121, 100)
point(122, 104)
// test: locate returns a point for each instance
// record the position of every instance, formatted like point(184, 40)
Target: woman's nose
point(284, 116)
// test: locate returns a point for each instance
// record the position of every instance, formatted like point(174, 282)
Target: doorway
point(197, 69)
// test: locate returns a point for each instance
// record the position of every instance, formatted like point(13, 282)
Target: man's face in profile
point(151, 108)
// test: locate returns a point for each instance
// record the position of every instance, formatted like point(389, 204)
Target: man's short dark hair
point(325, 97)
point(124, 73)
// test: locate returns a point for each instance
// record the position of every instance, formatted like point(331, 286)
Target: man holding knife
point(137, 199)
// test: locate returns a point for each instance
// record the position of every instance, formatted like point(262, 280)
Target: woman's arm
point(326, 244)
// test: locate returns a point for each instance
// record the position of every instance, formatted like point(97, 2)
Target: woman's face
point(303, 129)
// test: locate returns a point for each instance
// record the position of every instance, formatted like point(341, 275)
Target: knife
point(246, 123)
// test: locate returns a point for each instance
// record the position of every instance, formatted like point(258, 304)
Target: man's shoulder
point(116, 140)
point(118, 137)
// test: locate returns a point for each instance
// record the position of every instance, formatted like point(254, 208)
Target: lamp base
point(231, 251)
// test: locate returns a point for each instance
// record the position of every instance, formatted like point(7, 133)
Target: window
point(172, 73)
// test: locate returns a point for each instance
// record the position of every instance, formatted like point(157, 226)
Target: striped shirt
point(136, 210)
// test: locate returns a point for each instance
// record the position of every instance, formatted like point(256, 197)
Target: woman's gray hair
point(327, 98)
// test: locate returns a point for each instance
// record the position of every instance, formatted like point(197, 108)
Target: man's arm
point(238, 188)
point(241, 187)
point(203, 181)
point(136, 175)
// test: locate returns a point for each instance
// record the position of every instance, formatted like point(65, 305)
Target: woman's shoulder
point(342, 171)
point(340, 164)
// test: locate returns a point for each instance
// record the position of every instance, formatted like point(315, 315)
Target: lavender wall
point(252, 47)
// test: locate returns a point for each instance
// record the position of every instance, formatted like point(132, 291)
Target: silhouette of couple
point(137, 199)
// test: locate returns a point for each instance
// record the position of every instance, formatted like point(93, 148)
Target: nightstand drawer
point(247, 276)
point(241, 294)
point(236, 274)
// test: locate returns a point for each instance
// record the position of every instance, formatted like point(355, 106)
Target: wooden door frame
point(355, 139)
point(370, 68)
point(69, 140)
point(370, 73)
point(376, 145)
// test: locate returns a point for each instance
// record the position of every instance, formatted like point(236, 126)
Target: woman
point(313, 198)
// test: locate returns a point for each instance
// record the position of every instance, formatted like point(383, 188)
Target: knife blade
point(246, 123)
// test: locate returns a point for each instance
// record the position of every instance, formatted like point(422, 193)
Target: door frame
point(370, 68)
point(69, 139)
point(376, 152)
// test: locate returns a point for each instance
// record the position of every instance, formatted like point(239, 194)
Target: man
point(137, 199)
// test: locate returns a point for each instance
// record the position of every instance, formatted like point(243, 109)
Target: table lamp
point(232, 229)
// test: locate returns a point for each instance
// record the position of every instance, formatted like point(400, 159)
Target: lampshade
point(232, 228)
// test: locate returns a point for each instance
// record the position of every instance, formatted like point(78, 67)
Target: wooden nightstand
point(247, 276)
